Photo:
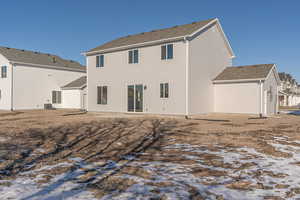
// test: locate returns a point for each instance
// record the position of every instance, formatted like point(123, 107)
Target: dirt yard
point(65, 154)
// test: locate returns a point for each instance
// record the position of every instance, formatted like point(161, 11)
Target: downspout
point(12, 88)
point(261, 98)
point(277, 100)
point(186, 78)
point(87, 86)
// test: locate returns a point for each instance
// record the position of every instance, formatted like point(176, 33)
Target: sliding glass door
point(135, 98)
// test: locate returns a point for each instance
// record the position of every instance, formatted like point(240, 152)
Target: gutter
point(47, 66)
point(238, 80)
point(132, 46)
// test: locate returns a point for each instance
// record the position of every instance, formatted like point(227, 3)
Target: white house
point(170, 71)
point(289, 90)
point(33, 80)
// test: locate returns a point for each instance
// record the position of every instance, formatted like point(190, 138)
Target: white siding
point(208, 57)
point(5, 85)
point(237, 98)
point(270, 85)
point(150, 71)
point(73, 98)
point(33, 86)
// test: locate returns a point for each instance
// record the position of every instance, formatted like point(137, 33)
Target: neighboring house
point(31, 80)
point(170, 71)
point(289, 91)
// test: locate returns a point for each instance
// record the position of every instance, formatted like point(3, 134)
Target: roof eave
point(239, 80)
point(48, 66)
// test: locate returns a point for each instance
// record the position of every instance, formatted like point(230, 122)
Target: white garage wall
point(5, 85)
point(237, 98)
point(33, 86)
point(72, 98)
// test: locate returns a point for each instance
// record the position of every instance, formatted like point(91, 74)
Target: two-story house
point(174, 71)
point(289, 94)
point(33, 80)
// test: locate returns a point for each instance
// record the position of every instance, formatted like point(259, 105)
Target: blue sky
point(259, 31)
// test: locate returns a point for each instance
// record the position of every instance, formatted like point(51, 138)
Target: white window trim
point(164, 90)
point(98, 60)
point(101, 94)
point(57, 99)
point(133, 56)
point(4, 66)
point(167, 59)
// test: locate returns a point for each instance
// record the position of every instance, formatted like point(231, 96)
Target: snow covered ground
point(246, 174)
point(207, 157)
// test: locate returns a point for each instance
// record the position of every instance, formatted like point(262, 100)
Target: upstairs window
point(102, 95)
point(133, 56)
point(56, 97)
point(3, 71)
point(164, 90)
point(167, 52)
point(100, 61)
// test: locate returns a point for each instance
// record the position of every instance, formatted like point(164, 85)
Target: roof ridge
point(174, 26)
point(31, 51)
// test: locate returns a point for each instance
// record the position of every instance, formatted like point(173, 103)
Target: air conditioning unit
point(48, 106)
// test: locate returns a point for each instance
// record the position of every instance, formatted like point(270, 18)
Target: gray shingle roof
point(176, 31)
point(78, 83)
point(245, 72)
point(31, 57)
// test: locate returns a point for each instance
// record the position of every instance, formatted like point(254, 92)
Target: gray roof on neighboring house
point(245, 72)
point(175, 31)
point(37, 58)
point(76, 84)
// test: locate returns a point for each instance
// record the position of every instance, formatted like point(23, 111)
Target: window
point(100, 61)
point(56, 97)
point(102, 95)
point(133, 56)
point(164, 90)
point(0, 94)
point(167, 51)
point(3, 71)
